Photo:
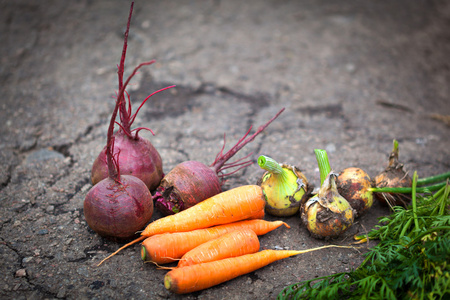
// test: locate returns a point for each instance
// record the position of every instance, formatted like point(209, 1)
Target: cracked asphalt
point(352, 75)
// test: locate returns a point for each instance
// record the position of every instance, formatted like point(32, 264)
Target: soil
point(352, 75)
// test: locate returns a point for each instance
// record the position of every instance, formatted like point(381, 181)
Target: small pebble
point(21, 273)
point(61, 293)
point(27, 259)
point(42, 232)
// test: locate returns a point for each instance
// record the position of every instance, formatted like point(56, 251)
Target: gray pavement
point(353, 76)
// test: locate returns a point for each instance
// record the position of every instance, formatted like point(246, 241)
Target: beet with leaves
point(136, 155)
point(119, 205)
point(191, 182)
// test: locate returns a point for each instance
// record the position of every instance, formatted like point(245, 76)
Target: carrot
point(232, 244)
point(168, 247)
point(233, 205)
point(237, 204)
point(202, 276)
point(258, 215)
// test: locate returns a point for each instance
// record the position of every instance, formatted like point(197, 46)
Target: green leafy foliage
point(411, 260)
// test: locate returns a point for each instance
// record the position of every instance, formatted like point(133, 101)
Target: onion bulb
point(355, 186)
point(393, 176)
point(283, 186)
point(327, 214)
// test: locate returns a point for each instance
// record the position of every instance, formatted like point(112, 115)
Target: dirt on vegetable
point(353, 76)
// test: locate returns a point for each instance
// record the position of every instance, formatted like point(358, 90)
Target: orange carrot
point(168, 247)
point(258, 215)
point(237, 204)
point(232, 244)
point(202, 276)
point(230, 206)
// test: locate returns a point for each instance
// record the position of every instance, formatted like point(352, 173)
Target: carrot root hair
point(121, 248)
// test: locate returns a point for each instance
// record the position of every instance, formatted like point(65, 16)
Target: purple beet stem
point(112, 167)
point(219, 163)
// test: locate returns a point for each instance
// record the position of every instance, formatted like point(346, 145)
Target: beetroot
point(119, 209)
point(192, 182)
point(118, 205)
point(137, 156)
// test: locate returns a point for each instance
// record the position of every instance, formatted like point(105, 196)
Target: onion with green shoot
point(327, 214)
point(284, 187)
point(393, 186)
point(393, 176)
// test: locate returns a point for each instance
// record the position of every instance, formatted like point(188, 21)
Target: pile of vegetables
point(411, 260)
point(129, 168)
point(212, 234)
point(214, 241)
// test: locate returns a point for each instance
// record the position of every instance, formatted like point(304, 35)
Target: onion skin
point(187, 184)
point(118, 210)
point(284, 195)
point(327, 214)
point(136, 156)
point(354, 185)
point(393, 176)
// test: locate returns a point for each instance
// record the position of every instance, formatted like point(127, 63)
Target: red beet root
point(192, 182)
point(118, 205)
point(136, 155)
point(118, 209)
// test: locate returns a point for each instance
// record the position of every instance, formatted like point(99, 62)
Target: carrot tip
point(167, 282)
point(143, 253)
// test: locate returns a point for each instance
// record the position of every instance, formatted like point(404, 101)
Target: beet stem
point(112, 163)
point(124, 117)
point(221, 150)
point(145, 100)
point(243, 165)
point(142, 128)
point(219, 163)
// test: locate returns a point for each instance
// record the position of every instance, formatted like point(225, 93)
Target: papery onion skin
point(393, 176)
point(354, 185)
point(327, 214)
point(136, 156)
point(324, 224)
point(118, 210)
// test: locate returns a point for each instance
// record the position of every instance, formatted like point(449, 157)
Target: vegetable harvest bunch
point(411, 261)
point(214, 240)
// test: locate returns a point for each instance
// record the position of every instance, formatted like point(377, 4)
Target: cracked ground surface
point(353, 76)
